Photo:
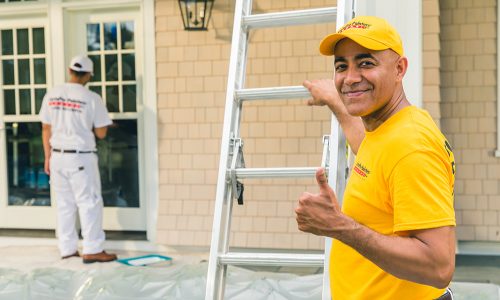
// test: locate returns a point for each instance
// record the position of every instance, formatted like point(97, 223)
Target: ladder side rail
point(216, 273)
point(291, 18)
point(338, 153)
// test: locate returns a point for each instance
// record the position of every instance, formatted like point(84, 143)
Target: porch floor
point(30, 268)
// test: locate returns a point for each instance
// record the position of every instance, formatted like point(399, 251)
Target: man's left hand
point(320, 213)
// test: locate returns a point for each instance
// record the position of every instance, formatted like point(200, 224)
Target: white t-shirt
point(73, 111)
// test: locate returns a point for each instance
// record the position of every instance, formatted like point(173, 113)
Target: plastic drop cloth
point(178, 281)
point(186, 282)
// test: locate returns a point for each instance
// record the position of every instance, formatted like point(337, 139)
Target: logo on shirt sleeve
point(361, 170)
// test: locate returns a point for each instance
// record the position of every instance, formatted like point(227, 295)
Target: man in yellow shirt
point(394, 237)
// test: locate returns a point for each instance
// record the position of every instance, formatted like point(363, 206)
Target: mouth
point(355, 93)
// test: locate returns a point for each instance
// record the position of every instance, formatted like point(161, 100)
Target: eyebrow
point(357, 57)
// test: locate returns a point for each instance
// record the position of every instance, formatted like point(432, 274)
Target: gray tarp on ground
point(179, 281)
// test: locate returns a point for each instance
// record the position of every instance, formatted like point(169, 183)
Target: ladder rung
point(273, 259)
point(288, 18)
point(275, 172)
point(285, 92)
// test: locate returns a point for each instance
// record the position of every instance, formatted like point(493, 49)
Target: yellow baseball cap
point(370, 32)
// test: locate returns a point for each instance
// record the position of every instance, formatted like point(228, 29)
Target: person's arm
point(424, 256)
point(101, 132)
point(46, 133)
point(324, 92)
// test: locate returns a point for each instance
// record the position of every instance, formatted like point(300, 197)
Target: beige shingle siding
point(191, 73)
point(468, 106)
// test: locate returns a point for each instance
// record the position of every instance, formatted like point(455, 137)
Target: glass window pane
point(127, 32)
point(112, 102)
point(28, 183)
point(9, 99)
point(93, 37)
point(39, 93)
point(38, 41)
point(97, 89)
point(129, 98)
point(39, 64)
point(96, 59)
point(7, 42)
point(111, 62)
point(128, 66)
point(118, 165)
point(8, 71)
point(23, 67)
point(25, 101)
point(22, 41)
point(110, 36)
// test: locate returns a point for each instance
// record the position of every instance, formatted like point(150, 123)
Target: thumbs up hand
point(320, 213)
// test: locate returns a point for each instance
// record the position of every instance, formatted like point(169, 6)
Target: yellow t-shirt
point(402, 179)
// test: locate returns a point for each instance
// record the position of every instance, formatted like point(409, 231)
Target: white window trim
point(497, 151)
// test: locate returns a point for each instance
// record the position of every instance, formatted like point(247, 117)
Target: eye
point(340, 67)
point(366, 64)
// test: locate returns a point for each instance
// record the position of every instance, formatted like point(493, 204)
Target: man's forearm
point(46, 133)
point(352, 127)
point(409, 258)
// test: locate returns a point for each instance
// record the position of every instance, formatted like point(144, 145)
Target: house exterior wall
point(468, 113)
point(191, 79)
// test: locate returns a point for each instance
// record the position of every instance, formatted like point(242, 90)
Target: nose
point(352, 76)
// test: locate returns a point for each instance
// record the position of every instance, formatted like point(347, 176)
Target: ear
point(401, 67)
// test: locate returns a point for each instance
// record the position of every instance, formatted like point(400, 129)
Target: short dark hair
point(78, 74)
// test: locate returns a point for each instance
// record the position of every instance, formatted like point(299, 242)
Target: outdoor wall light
point(196, 13)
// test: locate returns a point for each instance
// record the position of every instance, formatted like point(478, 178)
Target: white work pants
point(75, 180)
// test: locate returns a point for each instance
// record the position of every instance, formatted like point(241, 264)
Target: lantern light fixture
point(196, 13)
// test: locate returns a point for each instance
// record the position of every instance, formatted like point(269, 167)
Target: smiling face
point(369, 82)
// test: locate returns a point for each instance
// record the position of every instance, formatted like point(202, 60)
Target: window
point(111, 46)
point(24, 83)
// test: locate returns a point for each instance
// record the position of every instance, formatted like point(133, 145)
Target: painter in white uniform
point(72, 116)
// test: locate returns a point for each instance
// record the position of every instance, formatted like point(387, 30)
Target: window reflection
point(25, 101)
point(38, 41)
point(111, 62)
point(112, 103)
point(9, 99)
point(127, 32)
point(28, 183)
point(93, 37)
point(118, 165)
point(22, 41)
point(23, 67)
point(129, 98)
point(39, 93)
point(39, 64)
point(8, 71)
point(128, 66)
point(110, 37)
point(7, 42)
point(96, 59)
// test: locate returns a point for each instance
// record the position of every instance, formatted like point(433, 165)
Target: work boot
point(98, 257)
point(76, 254)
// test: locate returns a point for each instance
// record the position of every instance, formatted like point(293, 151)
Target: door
point(25, 200)
point(108, 38)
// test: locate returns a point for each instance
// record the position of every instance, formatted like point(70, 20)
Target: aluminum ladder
point(231, 165)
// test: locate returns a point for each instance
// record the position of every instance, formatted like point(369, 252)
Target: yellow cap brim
point(327, 45)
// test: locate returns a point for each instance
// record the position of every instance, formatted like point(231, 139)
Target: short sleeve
point(101, 114)
point(421, 190)
point(44, 113)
